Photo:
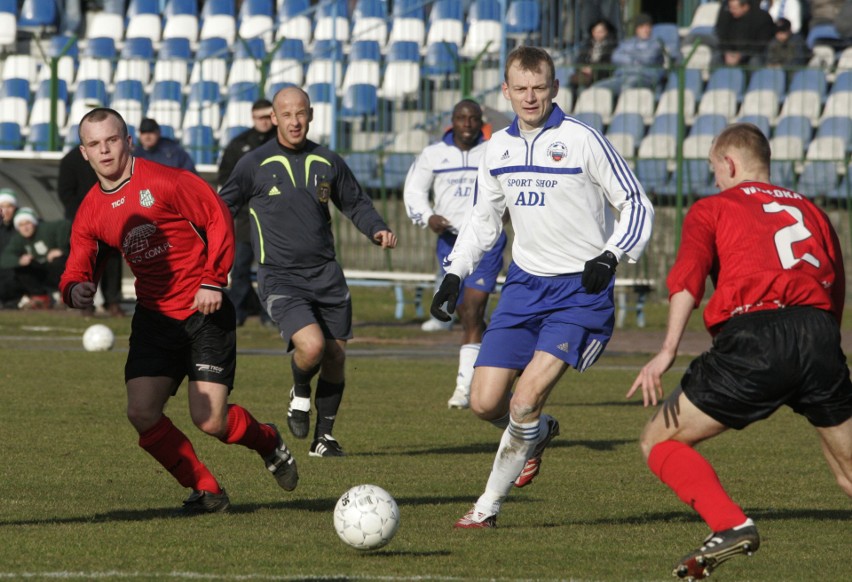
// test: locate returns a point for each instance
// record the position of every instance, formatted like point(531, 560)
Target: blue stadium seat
point(43, 90)
point(365, 167)
point(844, 189)
point(214, 7)
point(129, 89)
point(291, 48)
point(818, 178)
point(773, 78)
point(243, 92)
point(166, 91)
point(200, 144)
point(92, 90)
point(328, 49)
point(365, 50)
point(370, 21)
point(11, 137)
point(441, 59)
point(175, 48)
point(250, 48)
point(822, 32)
point(708, 124)
point(256, 8)
point(39, 138)
point(287, 66)
point(630, 123)
point(142, 7)
point(370, 9)
point(795, 125)
point(359, 100)
point(402, 73)
point(446, 23)
point(329, 8)
point(39, 16)
point(395, 169)
point(214, 47)
point(664, 124)
point(842, 82)
point(15, 88)
point(484, 10)
point(138, 48)
point(669, 34)
point(653, 174)
point(810, 80)
point(174, 7)
point(693, 82)
point(204, 92)
point(732, 78)
point(409, 9)
point(523, 18)
point(592, 119)
point(58, 42)
point(761, 121)
point(321, 93)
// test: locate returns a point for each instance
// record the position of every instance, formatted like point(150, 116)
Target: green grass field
point(80, 499)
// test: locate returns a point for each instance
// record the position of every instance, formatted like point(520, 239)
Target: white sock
point(467, 357)
point(300, 403)
point(516, 446)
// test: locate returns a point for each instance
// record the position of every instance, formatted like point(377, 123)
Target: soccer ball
point(366, 517)
point(98, 338)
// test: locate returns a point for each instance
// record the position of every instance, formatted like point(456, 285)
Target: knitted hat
point(25, 215)
point(7, 196)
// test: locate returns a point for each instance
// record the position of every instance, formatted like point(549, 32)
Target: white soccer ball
point(98, 338)
point(366, 517)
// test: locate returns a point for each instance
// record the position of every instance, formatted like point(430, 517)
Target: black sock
point(327, 402)
point(302, 379)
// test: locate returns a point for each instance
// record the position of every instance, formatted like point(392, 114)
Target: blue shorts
point(549, 314)
point(484, 278)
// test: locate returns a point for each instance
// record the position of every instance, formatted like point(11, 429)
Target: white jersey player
point(558, 179)
point(448, 169)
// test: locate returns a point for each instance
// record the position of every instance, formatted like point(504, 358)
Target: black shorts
point(761, 361)
point(203, 347)
point(297, 298)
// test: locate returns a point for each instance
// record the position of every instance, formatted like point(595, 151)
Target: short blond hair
point(530, 58)
point(746, 138)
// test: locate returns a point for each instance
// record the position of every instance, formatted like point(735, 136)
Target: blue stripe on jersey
point(535, 169)
point(628, 181)
point(459, 169)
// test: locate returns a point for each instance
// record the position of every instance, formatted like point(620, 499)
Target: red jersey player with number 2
point(177, 236)
point(778, 274)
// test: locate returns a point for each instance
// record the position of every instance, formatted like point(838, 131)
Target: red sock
point(244, 430)
point(166, 443)
point(695, 482)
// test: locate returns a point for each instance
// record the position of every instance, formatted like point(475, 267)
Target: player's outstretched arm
point(385, 238)
point(650, 378)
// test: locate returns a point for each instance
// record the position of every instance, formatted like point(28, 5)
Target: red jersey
point(764, 247)
point(172, 229)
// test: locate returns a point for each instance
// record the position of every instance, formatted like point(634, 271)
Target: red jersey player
point(776, 264)
point(177, 236)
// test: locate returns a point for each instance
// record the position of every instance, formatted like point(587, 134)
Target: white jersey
point(451, 174)
point(560, 189)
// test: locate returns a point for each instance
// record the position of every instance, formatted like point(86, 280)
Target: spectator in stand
point(596, 51)
point(163, 150)
point(76, 178)
point(10, 292)
point(37, 252)
point(824, 11)
point(843, 23)
point(638, 59)
point(590, 12)
point(743, 31)
point(789, 9)
point(786, 49)
point(242, 291)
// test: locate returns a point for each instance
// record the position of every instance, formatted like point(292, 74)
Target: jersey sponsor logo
point(209, 368)
point(557, 151)
point(118, 202)
point(137, 245)
point(530, 199)
point(146, 199)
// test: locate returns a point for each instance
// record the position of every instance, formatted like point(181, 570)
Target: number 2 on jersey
point(787, 236)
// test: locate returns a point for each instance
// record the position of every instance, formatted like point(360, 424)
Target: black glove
point(599, 272)
point(447, 293)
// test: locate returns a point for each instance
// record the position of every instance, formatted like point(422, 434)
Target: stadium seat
point(446, 23)
point(441, 60)
point(701, 59)
point(256, 20)
point(365, 167)
point(810, 80)
point(692, 82)
point(14, 109)
point(107, 24)
point(484, 28)
point(395, 169)
point(129, 89)
point(704, 19)
point(761, 102)
point(595, 100)
point(247, 56)
point(8, 33)
point(167, 91)
point(639, 100)
point(135, 7)
point(200, 144)
point(145, 26)
point(97, 60)
point(39, 17)
point(652, 174)
point(719, 101)
point(523, 19)
point(38, 139)
point(21, 66)
point(173, 7)
point(773, 79)
point(287, 65)
point(844, 189)
point(842, 82)
point(219, 26)
point(323, 100)
point(237, 114)
point(657, 146)
point(787, 152)
point(332, 21)
point(697, 178)
point(592, 119)
point(326, 66)
point(359, 100)
point(294, 21)
point(370, 21)
point(402, 74)
point(218, 7)
point(837, 104)
point(669, 103)
point(732, 78)
point(11, 137)
point(708, 124)
point(364, 64)
point(135, 61)
point(213, 66)
point(92, 90)
point(821, 33)
point(408, 22)
point(181, 26)
point(16, 87)
point(243, 92)
point(818, 178)
point(41, 111)
point(66, 66)
point(669, 34)
point(794, 125)
point(629, 123)
point(167, 113)
point(803, 102)
point(173, 60)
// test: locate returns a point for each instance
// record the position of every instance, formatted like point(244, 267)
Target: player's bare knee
point(212, 426)
point(523, 411)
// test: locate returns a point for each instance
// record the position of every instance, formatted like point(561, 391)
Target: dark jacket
point(167, 152)
point(749, 35)
point(76, 178)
